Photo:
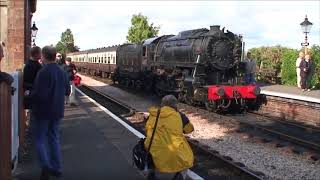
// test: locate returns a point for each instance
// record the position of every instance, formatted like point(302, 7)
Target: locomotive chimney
point(215, 28)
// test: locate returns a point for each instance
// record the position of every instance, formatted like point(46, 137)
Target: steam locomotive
point(200, 66)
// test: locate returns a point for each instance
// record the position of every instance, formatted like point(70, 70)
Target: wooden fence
point(11, 127)
point(5, 126)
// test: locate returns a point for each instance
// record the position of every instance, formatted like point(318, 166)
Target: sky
point(105, 23)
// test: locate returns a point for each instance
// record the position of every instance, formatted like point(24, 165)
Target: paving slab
point(94, 147)
point(291, 92)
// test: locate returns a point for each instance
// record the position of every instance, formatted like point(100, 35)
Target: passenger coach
point(97, 62)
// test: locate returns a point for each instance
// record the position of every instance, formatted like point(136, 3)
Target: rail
point(247, 173)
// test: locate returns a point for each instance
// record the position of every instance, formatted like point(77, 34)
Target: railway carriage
point(96, 62)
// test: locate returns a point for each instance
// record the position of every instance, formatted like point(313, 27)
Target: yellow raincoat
point(170, 150)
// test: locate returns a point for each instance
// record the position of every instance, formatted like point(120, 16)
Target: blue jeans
point(250, 78)
point(46, 139)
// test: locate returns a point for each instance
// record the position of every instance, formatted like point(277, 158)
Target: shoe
point(73, 104)
point(55, 173)
point(45, 174)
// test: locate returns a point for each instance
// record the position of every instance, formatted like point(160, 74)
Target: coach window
point(113, 60)
point(108, 60)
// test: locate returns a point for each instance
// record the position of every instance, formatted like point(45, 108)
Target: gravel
point(275, 163)
point(219, 134)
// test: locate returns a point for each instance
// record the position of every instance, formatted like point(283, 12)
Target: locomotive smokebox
point(214, 28)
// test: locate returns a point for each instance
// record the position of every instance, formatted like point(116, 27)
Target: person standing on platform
point(304, 65)
point(59, 60)
point(251, 68)
point(310, 73)
point(70, 70)
point(31, 69)
point(170, 151)
point(47, 102)
point(298, 62)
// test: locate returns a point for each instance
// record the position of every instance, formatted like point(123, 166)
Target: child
point(77, 80)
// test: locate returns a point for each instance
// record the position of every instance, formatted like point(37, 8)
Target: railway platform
point(94, 146)
point(291, 92)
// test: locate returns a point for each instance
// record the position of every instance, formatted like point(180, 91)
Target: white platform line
point(190, 173)
point(290, 96)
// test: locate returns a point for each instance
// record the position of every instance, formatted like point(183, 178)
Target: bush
point(284, 59)
point(288, 67)
point(315, 55)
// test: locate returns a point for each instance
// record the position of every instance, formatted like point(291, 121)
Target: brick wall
point(304, 112)
point(15, 45)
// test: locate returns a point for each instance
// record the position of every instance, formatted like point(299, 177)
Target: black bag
point(141, 157)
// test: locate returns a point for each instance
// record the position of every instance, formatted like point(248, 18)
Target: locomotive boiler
point(200, 66)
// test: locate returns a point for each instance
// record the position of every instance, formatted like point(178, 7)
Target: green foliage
point(140, 29)
point(268, 57)
point(315, 56)
point(66, 43)
point(283, 60)
point(288, 68)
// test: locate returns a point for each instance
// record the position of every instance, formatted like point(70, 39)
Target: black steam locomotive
point(199, 66)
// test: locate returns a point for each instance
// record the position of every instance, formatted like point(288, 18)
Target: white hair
point(169, 100)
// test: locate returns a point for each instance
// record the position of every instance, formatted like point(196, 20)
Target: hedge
point(284, 59)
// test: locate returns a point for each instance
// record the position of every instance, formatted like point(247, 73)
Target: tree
point(66, 43)
point(140, 29)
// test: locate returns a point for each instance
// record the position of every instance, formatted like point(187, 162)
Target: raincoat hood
point(165, 111)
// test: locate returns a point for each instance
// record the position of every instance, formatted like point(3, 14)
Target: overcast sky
point(103, 23)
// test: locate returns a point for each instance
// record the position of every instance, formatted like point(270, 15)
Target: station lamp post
point(305, 26)
point(34, 31)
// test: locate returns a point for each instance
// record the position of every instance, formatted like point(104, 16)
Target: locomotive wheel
point(121, 82)
point(181, 97)
point(127, 83)
point(211, 106)
point(159, 92)
point(138, 85)
point(188, 100)
point(148, 85)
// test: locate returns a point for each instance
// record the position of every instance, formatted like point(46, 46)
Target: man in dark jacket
point(70, 70)
point(31, 69)
point(304, 67)
point(47, 101)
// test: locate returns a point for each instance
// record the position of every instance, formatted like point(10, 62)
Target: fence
point(12, 121)
point(5, 126)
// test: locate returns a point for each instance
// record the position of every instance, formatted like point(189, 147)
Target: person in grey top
point(250, 71)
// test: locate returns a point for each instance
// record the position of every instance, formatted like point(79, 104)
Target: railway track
point(306, 136)
point(208, 163)
point(303, 136)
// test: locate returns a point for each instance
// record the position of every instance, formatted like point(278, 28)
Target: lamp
point(305, 27)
